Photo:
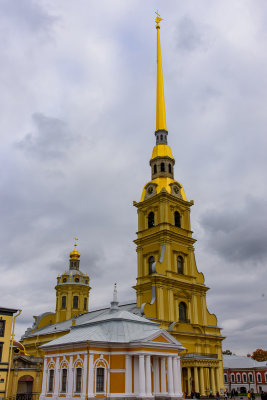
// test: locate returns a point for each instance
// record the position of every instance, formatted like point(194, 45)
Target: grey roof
point(81, 319)
point(114, 327)
point(234, 361)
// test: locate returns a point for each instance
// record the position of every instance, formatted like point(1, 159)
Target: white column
point(163, 375)
point(70, 378)
point(44, 378)
point(57, 372)
point(136, 375)
point(148, 376)
point(177, 377)
point(142, 380)
point(91, 376)
point(170, 375)
point(83, 394)
point(128, 374)
point(156, 375)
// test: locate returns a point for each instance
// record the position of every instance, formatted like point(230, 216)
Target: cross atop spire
point(158, 19)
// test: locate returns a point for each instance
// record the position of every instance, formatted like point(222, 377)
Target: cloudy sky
point(77, 101)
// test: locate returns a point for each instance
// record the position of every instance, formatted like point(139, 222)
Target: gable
point(161, 339)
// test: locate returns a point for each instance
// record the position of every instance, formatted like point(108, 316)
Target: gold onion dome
point(75, 255)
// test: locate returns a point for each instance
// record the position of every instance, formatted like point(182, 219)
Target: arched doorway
point(24, 390)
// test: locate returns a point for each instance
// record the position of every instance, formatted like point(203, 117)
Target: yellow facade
point(169, 288)
point(6, 331)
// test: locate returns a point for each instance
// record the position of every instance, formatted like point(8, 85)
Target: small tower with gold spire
point(169, 287)
point(72, 289)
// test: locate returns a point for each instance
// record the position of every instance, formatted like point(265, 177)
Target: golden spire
point(75, 255)
point(160, 106)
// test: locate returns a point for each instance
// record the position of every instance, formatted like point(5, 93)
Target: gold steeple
point(75, 255)
point(160, 106)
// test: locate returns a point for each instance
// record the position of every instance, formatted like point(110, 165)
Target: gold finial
point(160, 102)
point(75, 255)
point(158, 19)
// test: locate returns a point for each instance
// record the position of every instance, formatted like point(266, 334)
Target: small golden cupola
point(72, 289)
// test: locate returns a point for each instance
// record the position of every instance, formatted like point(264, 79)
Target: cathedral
point(164, 344)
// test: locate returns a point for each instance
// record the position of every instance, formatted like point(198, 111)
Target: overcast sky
point(77, 101)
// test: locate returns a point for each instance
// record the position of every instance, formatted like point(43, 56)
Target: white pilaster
point(91, 376)
point(57, 376)
point(70, 378)
point(44, 382)
point(156, 375)
point(148, 376)
point(128, 374)
point(170, 376)
point(142, 380)
point(84, 377)
point(163, 375)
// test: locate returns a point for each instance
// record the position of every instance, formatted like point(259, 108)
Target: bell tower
point(72, 290)
point(169, 287)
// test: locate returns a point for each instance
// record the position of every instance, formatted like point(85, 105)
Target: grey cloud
point(189, 36)
point(50, 140)
point(26, 14)
point(238, 233)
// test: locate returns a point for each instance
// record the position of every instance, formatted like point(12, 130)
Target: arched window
point(182, 312)
point(180, 265)
point(75, 301)
point(151, 260)
point(177, 219)
point(259, 378)
point(64, 381)
point(78, 386)
point(100, 378)
point(63, 302)
point(250, 378)
point(155, 169)
point(225, 378)
point(77, 279)
point(245, 378)
point(232, 378)
point(151, 220)
point(51, 381)
point(238, 378)
point(170, 168)
point(162, 167)
point(85, 303)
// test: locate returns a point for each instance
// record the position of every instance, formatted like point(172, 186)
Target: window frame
point(63, 306)
point(102, 378)
point(74, 305)
point(51, 373)
point(78, 382)
point(3, 328)
point(151, 219)
point(250, 377)
point(246, 378)
point(184, 305)
point(232, 378)
point(180, 265)
point(259, 375)
point(238, 378)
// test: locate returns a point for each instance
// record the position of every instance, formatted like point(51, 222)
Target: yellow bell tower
point(169, 288)
point(72, 290)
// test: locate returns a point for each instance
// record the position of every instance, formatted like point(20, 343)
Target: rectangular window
point(63, 302)
point(51, 381)
point(2, 327)
point(100, 380)
point(64, 381)
point(75, 302)
point(85, 304)
point(78, 380)
point(1, 351)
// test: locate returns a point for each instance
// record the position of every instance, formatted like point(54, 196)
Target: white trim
point(117, 370)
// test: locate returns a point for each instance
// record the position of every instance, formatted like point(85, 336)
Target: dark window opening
point(170, 168)
point(51, 381)
point(151, 260)
point(2, 327)
point(180, 265)
point(77, 280)
point(64, 279)
point(78, 388)
point(1, 351)
point(63, 302)
point(155, 169)
point(182, 312)
point(245, 378)
point(162, 167)
point(85, 303)
point(75, 301)
point(177, 219)
point(64, 381)
point(100, 373)
point(151, 220)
